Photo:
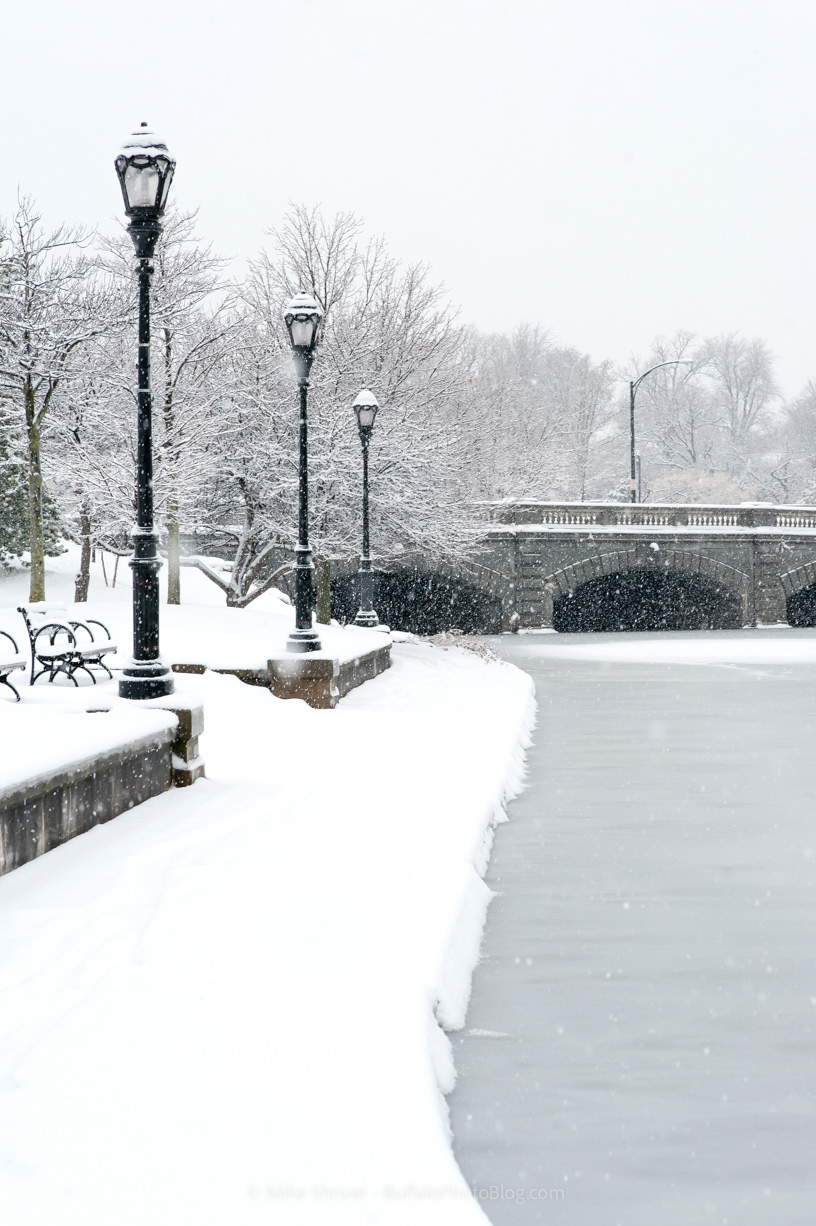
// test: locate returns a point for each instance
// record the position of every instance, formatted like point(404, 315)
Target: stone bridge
point(751, 564)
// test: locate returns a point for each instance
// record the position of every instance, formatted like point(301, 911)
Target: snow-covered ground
point(223, 1006)
point(202, 630)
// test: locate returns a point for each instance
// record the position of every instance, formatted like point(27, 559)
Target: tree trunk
point(323, 590)
point(173, 567)
point(35, 518)
point(171, 466)
point(84, 576)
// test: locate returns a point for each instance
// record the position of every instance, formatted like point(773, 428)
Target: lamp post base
point(303, 640)
point(367, 618)
point(146, 681)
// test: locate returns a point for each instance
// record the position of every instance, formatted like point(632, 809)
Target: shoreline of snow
point(463, 951)
point(228, 1002)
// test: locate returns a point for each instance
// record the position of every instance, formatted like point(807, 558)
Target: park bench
point(9, 664)
point(60, 644)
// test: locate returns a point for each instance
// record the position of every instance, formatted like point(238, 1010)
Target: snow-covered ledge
point(320, 678)
point(68, 769)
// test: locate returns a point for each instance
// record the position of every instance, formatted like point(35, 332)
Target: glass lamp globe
point(145, 168)
point(365, 406)
point(302, 317)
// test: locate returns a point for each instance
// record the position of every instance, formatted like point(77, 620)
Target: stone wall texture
point(534, 553)
point(39, 815)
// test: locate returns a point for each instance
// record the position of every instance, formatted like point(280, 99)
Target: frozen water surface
point(642, 1031)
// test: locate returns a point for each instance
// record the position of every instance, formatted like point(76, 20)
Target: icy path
point(642, 1033)
point(218, 1009)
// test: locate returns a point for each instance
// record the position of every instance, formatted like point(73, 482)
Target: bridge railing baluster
point(646, 515)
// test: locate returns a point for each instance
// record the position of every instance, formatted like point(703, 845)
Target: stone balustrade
point(649, 515)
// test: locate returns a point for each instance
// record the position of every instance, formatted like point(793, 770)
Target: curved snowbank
point(220, 1006)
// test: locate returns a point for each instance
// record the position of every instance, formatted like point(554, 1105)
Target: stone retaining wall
point(315, 677)
point(44, 812)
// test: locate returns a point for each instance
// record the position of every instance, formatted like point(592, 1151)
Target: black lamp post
point(302, 317)
point(634, 460)
point(145, 169)
point(365, 406)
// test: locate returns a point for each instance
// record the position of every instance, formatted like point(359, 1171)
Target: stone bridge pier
point(752, 558)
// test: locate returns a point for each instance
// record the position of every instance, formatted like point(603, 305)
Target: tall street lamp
point(302, 317)
point(365, 406)
point(145, 169)
point(634, 384)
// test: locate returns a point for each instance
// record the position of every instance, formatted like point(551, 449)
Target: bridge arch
point(799, 586)
point(421, 601)
point(800, 577)
point(671, 572)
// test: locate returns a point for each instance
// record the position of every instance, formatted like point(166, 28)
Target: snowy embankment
point(222, 1007)
point(200, 631)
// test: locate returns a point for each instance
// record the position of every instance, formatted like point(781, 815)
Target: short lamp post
point(302, 317)
point(366, 406)
point(634, 459)
point(145, 169)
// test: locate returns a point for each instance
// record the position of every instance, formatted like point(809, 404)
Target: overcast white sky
point(610, 170)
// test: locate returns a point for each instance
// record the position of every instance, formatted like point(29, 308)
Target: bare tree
point(705, 427)
point(540, 411)
point(50, 310)
point(580, 395)
point(386, 327)
point(794, 459)
point(92, 454)
point(741, 372)
point(679, 422)
point(192, 328)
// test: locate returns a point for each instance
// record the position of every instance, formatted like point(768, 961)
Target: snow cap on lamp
point(145, 168)
point(302, 317)
point(365, 406)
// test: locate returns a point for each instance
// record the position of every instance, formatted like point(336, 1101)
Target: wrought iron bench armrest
point(92, 652)
point(10, 666)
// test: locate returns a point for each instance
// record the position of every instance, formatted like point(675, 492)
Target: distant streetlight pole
point(145, 169)
point(634, 384)
point(365, 406)
point(302, 317)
